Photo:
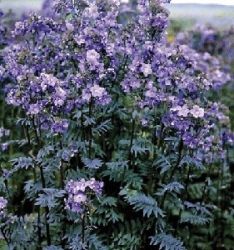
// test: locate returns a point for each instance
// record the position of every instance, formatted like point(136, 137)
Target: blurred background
point(184, 12)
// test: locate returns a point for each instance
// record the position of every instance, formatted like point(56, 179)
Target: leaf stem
point(174, 170)
point(43, 182)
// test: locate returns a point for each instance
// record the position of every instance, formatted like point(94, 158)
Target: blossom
point(92, 57)
point(60, 97)
point(96, 186)
point(34, 109)
point(4, 146)
point(80, 198)
point(48, 80)
point(146, 69)
point(78, 192)
point(97, 91)
point(197, 112)
point(60, 126)
point(70, 26)
point(181, 110)
point(92, 10)
point(3, 204)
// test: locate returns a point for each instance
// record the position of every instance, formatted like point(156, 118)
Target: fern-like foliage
point(146, 204)
point(194, 219)
point(175, 187)
point(166, 242)
point(22, 163)
point(93, 164)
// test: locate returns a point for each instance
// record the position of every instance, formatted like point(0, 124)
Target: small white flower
point(92, 57)
point(60, 92)
point(92, 10)
point(19, 25)
point(184, 111)
point(181, 110)
point(80, 198)
point(150, 94)
point(146, 69)
point(58, 102)
point(48, 80)
point(97, 91)
point(69, 26)
point(197, 112)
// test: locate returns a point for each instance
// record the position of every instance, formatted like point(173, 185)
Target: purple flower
point(146, 69)
point(97, 91)
point(60, 127)
point(79, 193)
point(4, 146)
point(92, 57)
point(3, 204)
point(197, 112)
point(181, 110)
point(34, 109)
point(70, 26)
point(94, 185)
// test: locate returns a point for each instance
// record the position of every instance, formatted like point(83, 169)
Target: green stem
point(131, 142)
point(186, 197)
point(5, 238)
point(90, 130)
point(174, 170)
point(43, 182)
point(62, 185)
point(39, 235)
point(83, 229)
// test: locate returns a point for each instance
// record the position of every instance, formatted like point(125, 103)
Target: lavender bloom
point(146, 69)
point(34, 109)
point(209, 39)
point(4, 146)
point(97, 91)
point(3, 204)
point(181, 110)
point(79, 193)
point(96, 186)
point(197, 112)
point(92, 57)
point(60, 127)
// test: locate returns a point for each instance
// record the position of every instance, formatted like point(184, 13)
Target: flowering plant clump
point(117, 125)
point(211, 40)
point(218, 49)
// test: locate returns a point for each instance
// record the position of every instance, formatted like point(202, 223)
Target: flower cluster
point(205, 38)
point(3, 204)
point(3, 42)
point(85, 60)
point(79, 193)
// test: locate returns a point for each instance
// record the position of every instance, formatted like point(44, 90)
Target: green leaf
point(166, 242)
point(147, 204)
